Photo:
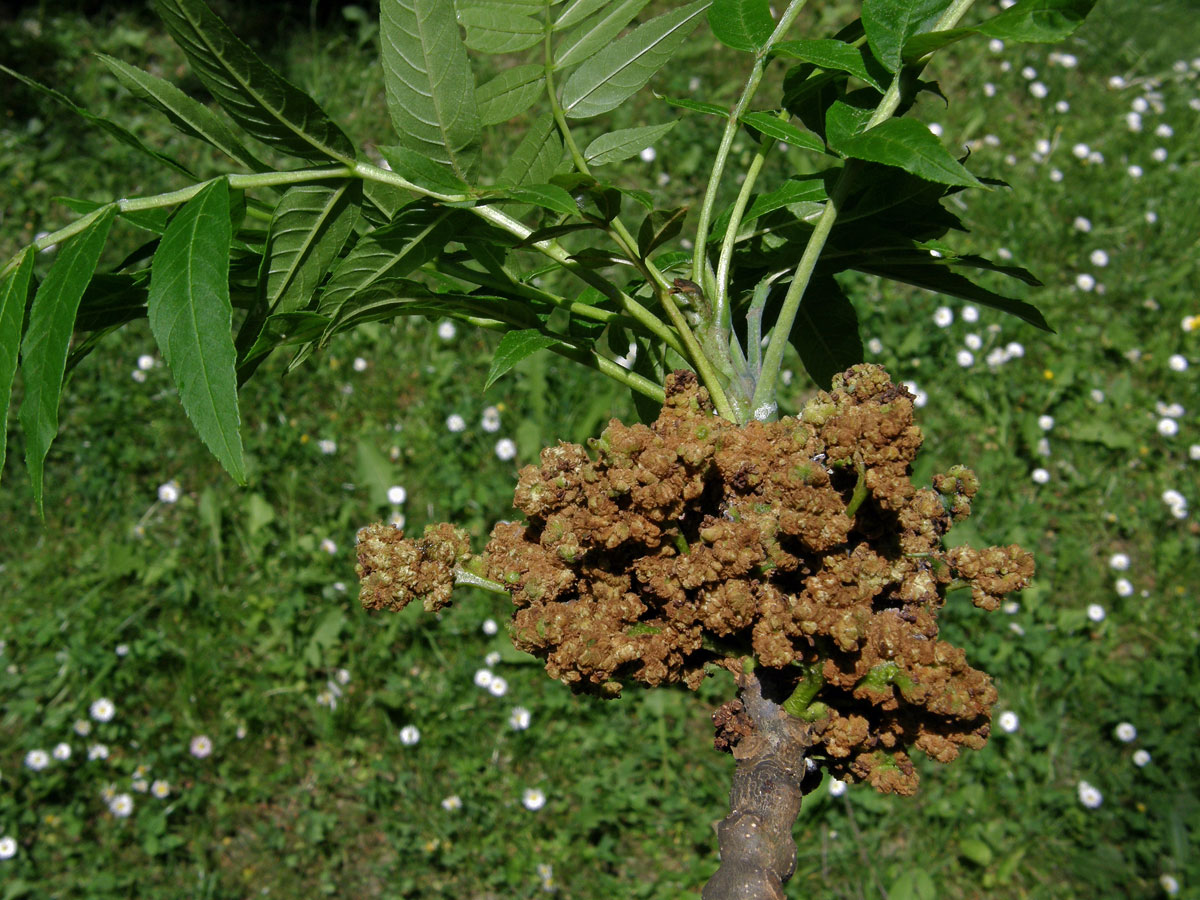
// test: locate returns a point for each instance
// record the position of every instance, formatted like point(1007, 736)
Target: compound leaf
point(44, 350)
point(257, 97)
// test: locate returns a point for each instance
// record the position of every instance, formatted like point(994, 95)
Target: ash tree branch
point(758, 854)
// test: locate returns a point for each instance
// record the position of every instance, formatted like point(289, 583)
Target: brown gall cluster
point(801, 544)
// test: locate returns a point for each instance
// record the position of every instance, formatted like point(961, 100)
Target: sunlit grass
point(369, 757)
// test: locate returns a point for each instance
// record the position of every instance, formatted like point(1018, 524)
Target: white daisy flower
point(533, 799)
point(518, 719)
point(201, 746)
point(37, 760)
point(102, 710)
point(1089, 796)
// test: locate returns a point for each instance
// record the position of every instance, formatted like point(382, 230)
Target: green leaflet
point(830, 54)
point(595, 34)
point(189, 116)
point(575, 11)
point(547, 196)
point(825, 333)
point(807, 189)
point(13, 293)
point(422, 171)
point(624, 143)
point(44, 350)
point(416, 236)
point(496, 28)
point(309, 228)
point(430, 87)
point(257, 97)
point(890, 23)
point(909, 145)
point(1030, 21)
point(609, 78)
point(190, 317)
point(121, 133)
point(940, 279)
point(510, 93)
point(514, 347)
point(700, 106)
point(741, 24)
point(780, 129)
point(537, 157)
point(659, 226)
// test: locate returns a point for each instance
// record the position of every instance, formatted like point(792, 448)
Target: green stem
point(462, 576)
point(731, 126)
point(764, 402)
point(725, 259)
point(625, 240)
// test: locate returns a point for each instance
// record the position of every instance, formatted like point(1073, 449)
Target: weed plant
point(262, 736)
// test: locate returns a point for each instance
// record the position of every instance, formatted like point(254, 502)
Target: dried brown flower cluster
point(800, 543)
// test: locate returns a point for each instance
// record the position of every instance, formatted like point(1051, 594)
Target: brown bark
point(758, 854)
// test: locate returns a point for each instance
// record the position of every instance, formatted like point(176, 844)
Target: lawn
point(194, 704)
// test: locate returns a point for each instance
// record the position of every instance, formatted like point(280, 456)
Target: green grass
point(222, 614)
